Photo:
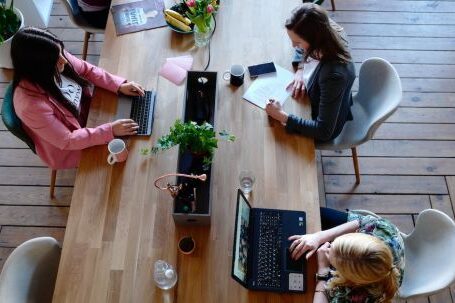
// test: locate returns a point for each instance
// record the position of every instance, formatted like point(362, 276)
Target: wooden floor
point(408, 167)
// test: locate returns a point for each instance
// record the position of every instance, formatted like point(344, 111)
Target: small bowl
point(187, 245)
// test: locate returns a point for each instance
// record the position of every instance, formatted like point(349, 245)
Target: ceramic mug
point(117, 151)
point(235, 74)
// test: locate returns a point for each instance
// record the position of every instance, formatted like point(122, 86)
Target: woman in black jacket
point(326, 72)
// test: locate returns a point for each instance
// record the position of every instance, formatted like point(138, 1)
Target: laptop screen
point(242, 221)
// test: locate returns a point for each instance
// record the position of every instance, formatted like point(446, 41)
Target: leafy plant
point(199, 139)
point(9, 21)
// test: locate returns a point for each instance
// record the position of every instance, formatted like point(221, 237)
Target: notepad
point(175, 68)
point(270, 86)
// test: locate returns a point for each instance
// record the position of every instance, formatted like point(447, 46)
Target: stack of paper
point(175, 68)
point(270, 86)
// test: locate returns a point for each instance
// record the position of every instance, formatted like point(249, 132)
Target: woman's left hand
point(274, 110)
point(323, 257)
point(131, 89)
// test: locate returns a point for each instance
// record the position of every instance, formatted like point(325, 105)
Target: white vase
point(5, 47)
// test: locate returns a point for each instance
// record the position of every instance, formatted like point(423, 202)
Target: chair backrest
point(29, 273)
point(379, 89)
point(72, 7)
point(429, 261)
point(378, 97)
point(74, 12)
point(12, 121)
point(364, 212)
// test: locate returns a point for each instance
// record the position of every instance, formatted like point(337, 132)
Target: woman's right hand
point(297, 86)
point(124, 127)
point(304, 243)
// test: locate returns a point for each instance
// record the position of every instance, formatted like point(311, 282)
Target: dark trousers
point(332, 217)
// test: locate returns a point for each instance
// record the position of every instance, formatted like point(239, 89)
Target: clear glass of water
point(246, 179)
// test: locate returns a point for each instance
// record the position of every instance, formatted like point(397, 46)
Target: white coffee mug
point(117, 151)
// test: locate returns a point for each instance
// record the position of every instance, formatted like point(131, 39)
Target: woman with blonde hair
point(363, 264)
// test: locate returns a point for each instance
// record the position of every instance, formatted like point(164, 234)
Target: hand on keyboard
point(131, 89)
point(124, 127)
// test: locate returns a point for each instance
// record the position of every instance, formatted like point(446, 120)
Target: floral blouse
point(387, 232)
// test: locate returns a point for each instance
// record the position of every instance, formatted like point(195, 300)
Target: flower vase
point(203, 33)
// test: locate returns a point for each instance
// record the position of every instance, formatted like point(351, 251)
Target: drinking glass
point(246, 179)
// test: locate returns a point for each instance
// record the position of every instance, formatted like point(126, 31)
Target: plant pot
point(5, 47)
point(199, 213)
point(186, 245)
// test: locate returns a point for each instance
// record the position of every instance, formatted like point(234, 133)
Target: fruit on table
point(177, 23)
point(177, 16)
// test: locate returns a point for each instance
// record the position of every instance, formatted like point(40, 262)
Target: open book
point(270, 86)
point(138, 16)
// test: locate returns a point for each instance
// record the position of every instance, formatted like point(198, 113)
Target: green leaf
point(9, 22)
point(200, 139)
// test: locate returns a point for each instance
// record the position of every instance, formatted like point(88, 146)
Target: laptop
point(138, 108)
point(261, 258)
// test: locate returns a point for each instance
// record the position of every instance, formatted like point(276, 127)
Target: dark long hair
point(311, 23)
point(35, 53)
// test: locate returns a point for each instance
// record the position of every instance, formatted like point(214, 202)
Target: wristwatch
point(323, 277)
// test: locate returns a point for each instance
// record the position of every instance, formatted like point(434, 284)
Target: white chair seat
point(378, 97)
point(429, 255)
point(29, 273)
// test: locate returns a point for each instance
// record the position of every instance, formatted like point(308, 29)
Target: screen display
point(241, 240)
point(260, 69)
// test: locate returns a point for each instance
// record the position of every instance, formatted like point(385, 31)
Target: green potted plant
point(199, 140)
point(11, 20)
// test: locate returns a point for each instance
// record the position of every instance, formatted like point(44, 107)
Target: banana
point(177, 23)
point(177, 16)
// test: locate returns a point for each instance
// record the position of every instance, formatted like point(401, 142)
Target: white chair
point(429, 249)
point(77, 18)
point(29, 273)
point(378, 97)
point(429, 262)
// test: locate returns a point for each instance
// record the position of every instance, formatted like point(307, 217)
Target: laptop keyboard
point(269, 256)
point(141, 113)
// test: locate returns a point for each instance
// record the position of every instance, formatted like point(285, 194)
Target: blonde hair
point(364, 261)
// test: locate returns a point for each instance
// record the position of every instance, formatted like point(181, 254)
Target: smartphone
point(261, 69)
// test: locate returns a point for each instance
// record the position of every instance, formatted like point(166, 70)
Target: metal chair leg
point(84, 50)
point(356, 165)
point(333, 5)
point(52, 185)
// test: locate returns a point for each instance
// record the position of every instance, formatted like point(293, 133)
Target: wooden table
point(119, 224)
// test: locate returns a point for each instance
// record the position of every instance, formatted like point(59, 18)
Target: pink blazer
point(57, 134)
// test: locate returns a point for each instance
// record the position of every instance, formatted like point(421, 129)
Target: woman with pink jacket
point(52, 98)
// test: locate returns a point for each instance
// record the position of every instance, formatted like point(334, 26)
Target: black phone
point(261, 69)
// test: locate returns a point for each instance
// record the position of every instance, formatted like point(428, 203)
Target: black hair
point(311, 23)
point(35, 53)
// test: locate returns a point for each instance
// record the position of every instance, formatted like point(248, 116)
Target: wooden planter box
point(199, 107)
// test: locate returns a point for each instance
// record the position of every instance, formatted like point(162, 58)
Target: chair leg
point(84, 50)
point(356, 165)
point(52, 186)
point(333, 5)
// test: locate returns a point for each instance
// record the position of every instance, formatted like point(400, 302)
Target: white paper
point(271, 86)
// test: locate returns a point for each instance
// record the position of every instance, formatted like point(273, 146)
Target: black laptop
point(138, 108)
point(261, 259)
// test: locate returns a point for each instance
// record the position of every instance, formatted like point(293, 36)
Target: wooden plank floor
point(408, 167)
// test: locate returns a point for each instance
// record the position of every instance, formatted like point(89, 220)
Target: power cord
point(210, 39)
